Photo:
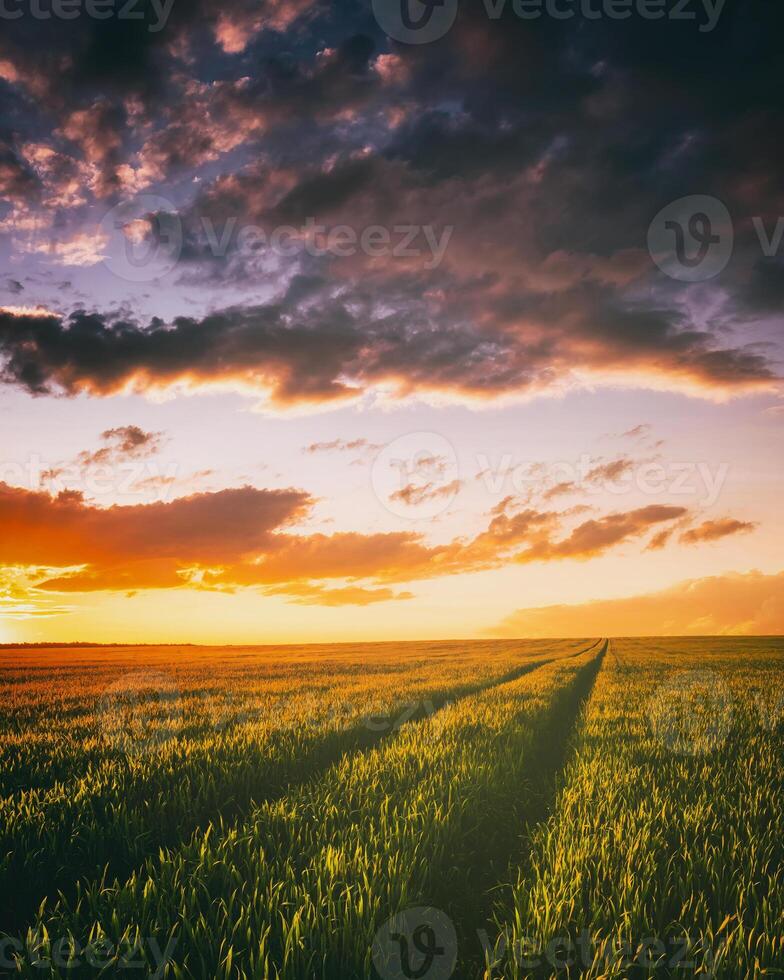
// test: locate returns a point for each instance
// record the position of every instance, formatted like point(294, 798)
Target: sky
point(375, 320)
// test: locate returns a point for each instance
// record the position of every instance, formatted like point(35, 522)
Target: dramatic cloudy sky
point(310, 333)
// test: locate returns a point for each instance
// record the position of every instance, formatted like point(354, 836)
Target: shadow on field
point(106, 846)
point(497, 850)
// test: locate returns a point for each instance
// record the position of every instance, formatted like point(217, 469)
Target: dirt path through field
point(496, 860)
point(112, 860)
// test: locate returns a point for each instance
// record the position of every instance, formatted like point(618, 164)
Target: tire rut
point(22, 908)
point(495, 860)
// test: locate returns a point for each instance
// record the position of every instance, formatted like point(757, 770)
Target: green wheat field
point(501, 810)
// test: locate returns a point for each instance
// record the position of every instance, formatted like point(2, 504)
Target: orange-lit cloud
point(750, 603)
point(661, 539)
point(207, 528)
point(415, 493)
point(124, 442)
point(19, 597)
point(83, 249)
point(247, 538)
point(363, 448)
point(595, 536)
point(349, 595)
point(236, 26)
point(713, 530)
point(611, 470)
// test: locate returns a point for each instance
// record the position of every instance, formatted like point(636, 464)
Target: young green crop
point(301, 887)
point(665, 853)
point(151, 744)
point(660, 854)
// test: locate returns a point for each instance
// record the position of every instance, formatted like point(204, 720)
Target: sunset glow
point(308, 333)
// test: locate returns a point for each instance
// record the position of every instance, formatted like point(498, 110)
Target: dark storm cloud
point(18, 183)
point(764, 290)
point(318, 353)
point(548, 146)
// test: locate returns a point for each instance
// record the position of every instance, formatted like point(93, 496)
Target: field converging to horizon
point(503, 809)
point(330, 329)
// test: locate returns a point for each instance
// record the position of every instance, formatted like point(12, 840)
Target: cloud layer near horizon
point(248, 538)
point(735, 603)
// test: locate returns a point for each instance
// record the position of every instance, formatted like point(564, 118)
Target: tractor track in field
point(495, 862)
point(22, 908)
